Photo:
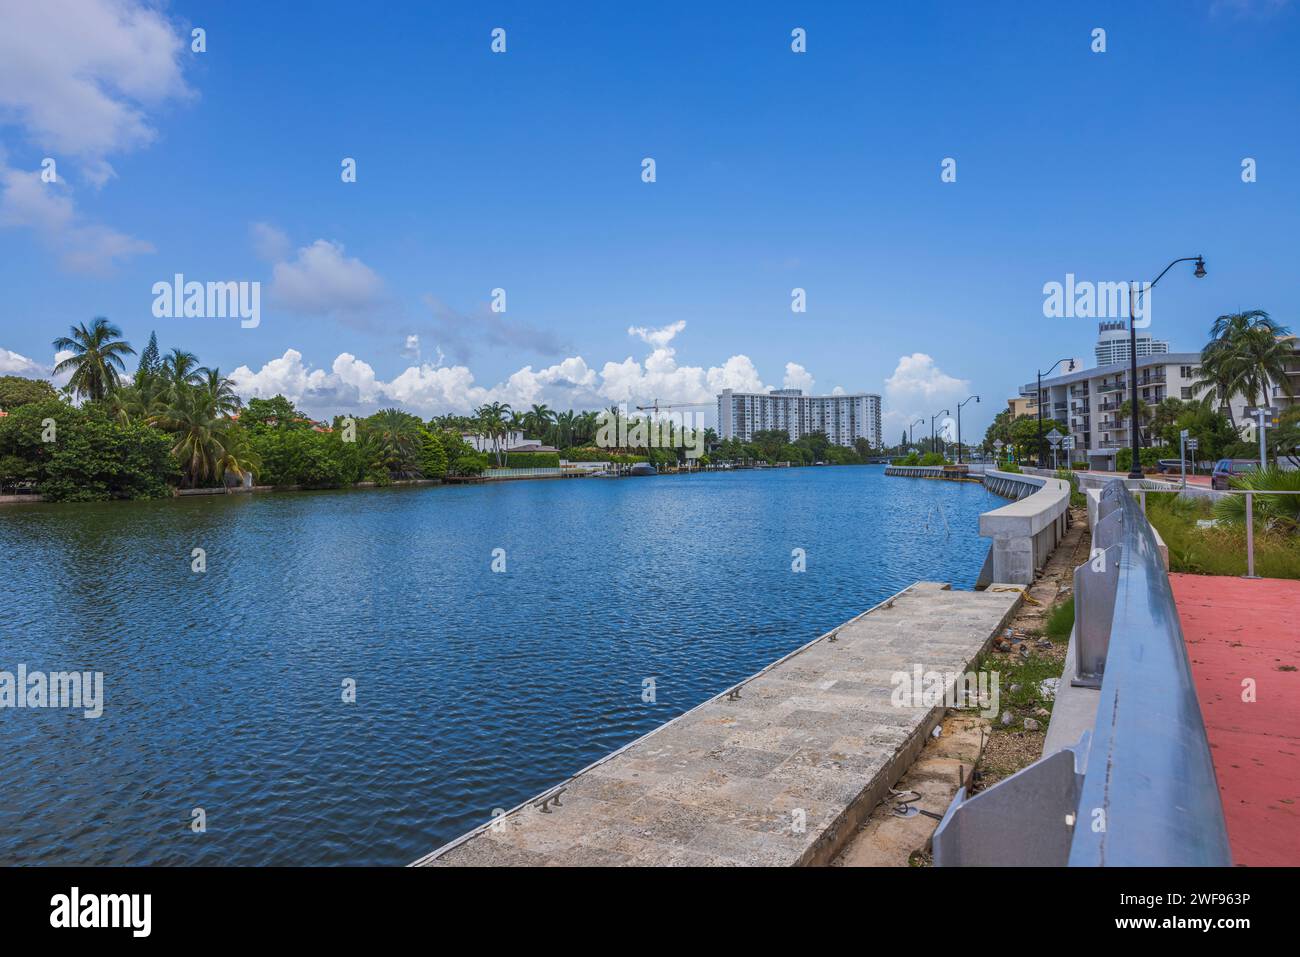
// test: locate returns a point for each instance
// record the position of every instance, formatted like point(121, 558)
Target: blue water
point(474, 690)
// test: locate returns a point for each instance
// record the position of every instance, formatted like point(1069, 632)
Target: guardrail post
point(1027, 819)
point(1095, 584)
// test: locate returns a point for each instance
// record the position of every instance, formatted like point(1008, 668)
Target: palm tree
point(396, 436)
point(566, 424)
point(539, 419)
point(135, 403)
point(492, 418)
point(200, 433)
point(1245, 351)
point(96, 363)
point(222, 390)
point(181, 369)
point(588, 423)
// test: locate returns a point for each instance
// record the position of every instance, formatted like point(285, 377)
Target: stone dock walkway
point(780, 775)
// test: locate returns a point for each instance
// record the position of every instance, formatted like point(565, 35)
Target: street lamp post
point(959, 405)
point(1135, 413)
point(1039, 397)
point(932, 418)
point(911, 433)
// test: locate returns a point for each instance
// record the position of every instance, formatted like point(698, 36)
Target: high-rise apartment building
point(1112, 343)
point(844, 418)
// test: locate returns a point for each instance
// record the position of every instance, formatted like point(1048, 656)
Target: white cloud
point(918, 389)
point(659, 338)
point(62, 378)
point(11, 363)
point(433, 389)
point(323, 281)
point(411, 349)
point(78, 75)
point(797, 377)
point(48, 209)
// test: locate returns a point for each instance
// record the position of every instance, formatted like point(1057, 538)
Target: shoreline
point(397, 483)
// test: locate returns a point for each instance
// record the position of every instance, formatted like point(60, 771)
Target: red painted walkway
point(1237, 629)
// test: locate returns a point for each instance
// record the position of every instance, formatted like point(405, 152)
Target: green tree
point(16, 391)
point(433, 454)
point(207, 444)
point(221, 390)
point(394, 439)
point(84, 456)
point(96, 361)
point(1246, 350)
point(150, 363)
point(274, 413)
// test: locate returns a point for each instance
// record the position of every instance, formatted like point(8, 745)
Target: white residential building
point(844, 418)
point(1112, 343)
point(1088, 400)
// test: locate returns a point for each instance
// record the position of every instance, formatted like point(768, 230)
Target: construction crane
point(676, 405)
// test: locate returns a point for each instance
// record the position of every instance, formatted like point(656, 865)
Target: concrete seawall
point(780, 770)
point(1025, 532)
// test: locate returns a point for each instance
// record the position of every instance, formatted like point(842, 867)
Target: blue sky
point(522, 171)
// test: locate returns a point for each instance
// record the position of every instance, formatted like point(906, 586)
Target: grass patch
point(1061, 620)
point(1220, 550)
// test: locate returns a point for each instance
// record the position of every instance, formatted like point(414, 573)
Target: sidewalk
point(1235, 630)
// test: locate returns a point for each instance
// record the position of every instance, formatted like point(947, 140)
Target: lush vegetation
point(1200, 544)
point(176, 423)
point(1278, 512)
point(929, 458)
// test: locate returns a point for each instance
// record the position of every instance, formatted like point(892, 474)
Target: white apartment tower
point(844, 418)
point(1112, 343)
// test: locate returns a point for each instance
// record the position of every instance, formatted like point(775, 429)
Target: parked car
point(1227, 469)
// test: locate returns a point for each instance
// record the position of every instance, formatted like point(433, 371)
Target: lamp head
point(1200, 268)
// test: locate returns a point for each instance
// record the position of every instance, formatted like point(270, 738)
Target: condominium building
point(1089, 400)
point(1020, 406)
point(1112, 343)
point(844, 418)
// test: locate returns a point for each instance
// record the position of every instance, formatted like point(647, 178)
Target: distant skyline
point(516, 178)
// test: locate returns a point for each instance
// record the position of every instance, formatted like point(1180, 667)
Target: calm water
point(475, 690)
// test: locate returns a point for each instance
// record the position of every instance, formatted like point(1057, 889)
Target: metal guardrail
point(1140, 789)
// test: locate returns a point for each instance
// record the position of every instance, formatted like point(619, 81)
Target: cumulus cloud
point(918, 388)
point(48, 209)
point(79, 75)
point(432, 388)
point(797, 377)
point(11, 363)
point(659, 338)
point(322, 281)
